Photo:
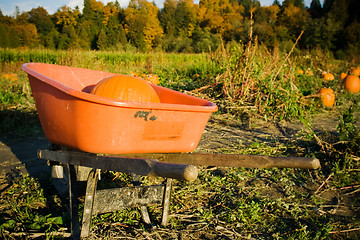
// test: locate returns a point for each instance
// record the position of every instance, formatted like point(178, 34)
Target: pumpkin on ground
point(352, 83)
point(343, 75)
point(309, 73)
point(126, 88)
point(327, 96)
point(300, 71)
point(154, 79)
point(355, 71)
point(328, 76)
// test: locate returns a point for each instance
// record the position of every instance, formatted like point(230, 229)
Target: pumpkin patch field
point(270, 102)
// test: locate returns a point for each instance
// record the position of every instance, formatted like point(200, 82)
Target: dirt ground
point(19, 155)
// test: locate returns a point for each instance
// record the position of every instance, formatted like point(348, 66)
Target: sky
point(8, 6)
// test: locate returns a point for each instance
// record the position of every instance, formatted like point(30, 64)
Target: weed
point(25, 208)
point(348, 130)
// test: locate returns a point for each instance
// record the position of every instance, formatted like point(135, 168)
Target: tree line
point(183, 26)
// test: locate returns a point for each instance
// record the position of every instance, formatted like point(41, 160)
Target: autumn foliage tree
point(185, 26)
point(142, 24)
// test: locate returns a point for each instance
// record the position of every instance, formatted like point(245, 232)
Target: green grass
point(17, 110)
point(27, 206)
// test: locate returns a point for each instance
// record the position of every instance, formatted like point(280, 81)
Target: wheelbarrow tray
point(71, 116)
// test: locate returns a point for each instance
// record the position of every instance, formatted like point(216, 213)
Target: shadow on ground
point(21, 137)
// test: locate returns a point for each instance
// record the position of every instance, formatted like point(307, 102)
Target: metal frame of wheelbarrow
point(168, 165)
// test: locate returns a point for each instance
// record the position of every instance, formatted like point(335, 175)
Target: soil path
point(19, 156)
point(224, 133)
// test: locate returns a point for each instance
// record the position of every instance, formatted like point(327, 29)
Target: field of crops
point(253, 86)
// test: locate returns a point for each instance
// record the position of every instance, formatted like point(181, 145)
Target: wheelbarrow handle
point(139, 166)
point(173, 170)
point(233, 160)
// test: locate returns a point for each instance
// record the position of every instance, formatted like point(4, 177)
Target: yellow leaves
point(170, 3)
point(291, 10)
point(272, 12)
point(190, 29)
point(220, 15)
point(109, 11)
point(27, 33)
point(274, 9)
point(96, 5)
point(293, 17)
point(66, 16)
point(142, 16)
point(152, 31)
point(202, 12)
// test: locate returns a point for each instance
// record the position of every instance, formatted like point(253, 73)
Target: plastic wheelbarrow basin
point(71, 116)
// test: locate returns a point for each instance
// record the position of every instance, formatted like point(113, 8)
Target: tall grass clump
point(256, 80)
point(339, 153)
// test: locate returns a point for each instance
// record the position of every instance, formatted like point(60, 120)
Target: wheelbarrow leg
point(144, 211)
point(89, 202)
point(166, 202)
point(73, 201)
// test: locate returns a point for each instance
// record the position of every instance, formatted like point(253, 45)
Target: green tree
point(14, 38)
point(339, 11)
point(296, 3)
point(50, 40)
point(186, 17)
point(276, 2)
point(93, 15)
point(327, 5)
point(294, 19)
point(315, 9)
point(352, 37)
point(102, 42)
point(142, 24)
point(83, 32)
point(204, 41)
point(4, 36)
point(249, 5)
point(265, 22)
point(23, 35)
point(167, 17)
point(66, 16)
point(42, 20)
point(115, 32)
point(317, 34)
point(267, 14)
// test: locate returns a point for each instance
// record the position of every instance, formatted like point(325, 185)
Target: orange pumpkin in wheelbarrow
point(126, 88)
